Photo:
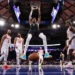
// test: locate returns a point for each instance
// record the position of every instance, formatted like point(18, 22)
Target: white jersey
point(70, 33)
point(19, 43)
point(6, 44)
point(40, 53)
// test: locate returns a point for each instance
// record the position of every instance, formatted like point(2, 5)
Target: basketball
point(34, 57)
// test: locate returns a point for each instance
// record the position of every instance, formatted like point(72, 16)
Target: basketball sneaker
point(47, 55)
point(23, 57)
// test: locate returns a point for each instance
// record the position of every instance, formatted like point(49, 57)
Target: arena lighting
point(73, 22)
point(58, 26)
point(12, 25)
point(17, 26)
point(2, 22)
point(54, 26)
point(47, 45)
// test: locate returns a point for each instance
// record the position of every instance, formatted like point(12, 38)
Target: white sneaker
point(69, 64)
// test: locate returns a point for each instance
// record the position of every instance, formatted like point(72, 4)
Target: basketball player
point(62, 55)
point(34, 31)
point(5, 44)
point(72, 42)
point(70, 34)
point(40, 53)
point(19, 47)
point(36, 57)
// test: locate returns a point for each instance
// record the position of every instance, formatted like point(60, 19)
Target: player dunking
point(5, 44)
point(66, 46)
point(19, 47)
point(34, 30)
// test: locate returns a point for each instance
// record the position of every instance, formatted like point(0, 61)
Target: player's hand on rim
point(32, 8)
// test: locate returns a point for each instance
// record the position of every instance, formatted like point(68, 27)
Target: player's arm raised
point(39, 15)
point(30, 16)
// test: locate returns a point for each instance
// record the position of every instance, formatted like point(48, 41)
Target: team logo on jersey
point(19, 40)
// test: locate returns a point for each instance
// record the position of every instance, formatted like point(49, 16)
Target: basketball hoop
point(34, 4)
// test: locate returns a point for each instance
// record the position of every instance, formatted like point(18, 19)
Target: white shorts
point(4, 50)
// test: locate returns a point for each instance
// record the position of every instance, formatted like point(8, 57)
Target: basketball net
point(34, 4)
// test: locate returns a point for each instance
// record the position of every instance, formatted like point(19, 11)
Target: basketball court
point(45, 70)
